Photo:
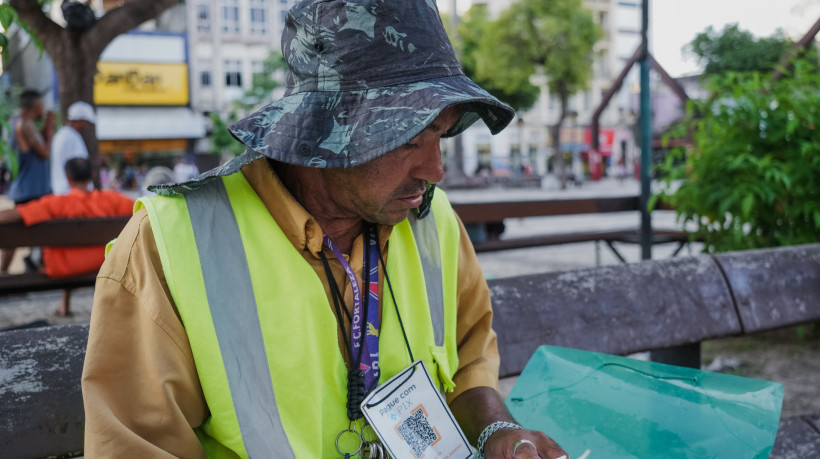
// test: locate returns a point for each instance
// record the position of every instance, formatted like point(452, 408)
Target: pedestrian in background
point(68, 143)
point(33, 148)
point(78, 203)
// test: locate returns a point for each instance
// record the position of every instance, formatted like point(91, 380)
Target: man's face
point(385, 189)
point(37, 110)
point(81, 125)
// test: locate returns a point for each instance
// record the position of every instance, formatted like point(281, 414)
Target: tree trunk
point(75, 54)
point(76, 66)
point(557, 154)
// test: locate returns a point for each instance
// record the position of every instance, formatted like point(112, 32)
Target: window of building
point(203, 18)
point(259, 17)
point(233, 73)
point(204, 66)
point(230, 16)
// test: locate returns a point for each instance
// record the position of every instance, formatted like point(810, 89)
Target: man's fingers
point(525, 449)
point(522, 444)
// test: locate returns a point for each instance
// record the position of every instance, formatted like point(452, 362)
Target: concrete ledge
point(774, 288)
point(40, 393)
point(613, 309)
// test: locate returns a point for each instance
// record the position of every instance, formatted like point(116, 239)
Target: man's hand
point(479, 407)
point(502, 445)
point(49, 125)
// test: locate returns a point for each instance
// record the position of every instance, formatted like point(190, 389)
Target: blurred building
point(229, 40)
point(141, 91)
point(526, 146)
point(158, 84)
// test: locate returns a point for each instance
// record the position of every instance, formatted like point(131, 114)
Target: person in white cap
point(68, 143)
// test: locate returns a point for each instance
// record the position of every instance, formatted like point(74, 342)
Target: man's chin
point(392, 218)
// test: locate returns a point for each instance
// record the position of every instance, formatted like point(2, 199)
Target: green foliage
point(553, 37)
point(752, 177)
point(737, 50)
point(221, 139)
point(8, 16)
point(8, 104)
point(272, 76)
point(519, 94)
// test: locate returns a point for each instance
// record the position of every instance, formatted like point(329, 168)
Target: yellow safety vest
point(263, 335)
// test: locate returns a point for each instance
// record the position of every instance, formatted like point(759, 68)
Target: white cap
point(81, 111)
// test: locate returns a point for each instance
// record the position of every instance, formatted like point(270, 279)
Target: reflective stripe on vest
point(426, 236)
point(236, 322)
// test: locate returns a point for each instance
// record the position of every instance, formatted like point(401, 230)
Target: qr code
point(417, 432)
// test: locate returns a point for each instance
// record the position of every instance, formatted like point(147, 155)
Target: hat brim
point(341, 129)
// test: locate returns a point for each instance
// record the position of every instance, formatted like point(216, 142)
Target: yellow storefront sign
point(138, 83)
point(142, 145)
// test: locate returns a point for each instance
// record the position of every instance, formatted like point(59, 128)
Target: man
point(68, 143)
point(78, 203)
point(33, 147)
point(229, 318)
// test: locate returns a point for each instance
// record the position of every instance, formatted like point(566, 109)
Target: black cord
point(334, 292)
point(392, 295)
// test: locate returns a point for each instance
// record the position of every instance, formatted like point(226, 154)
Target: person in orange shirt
point(78, 203)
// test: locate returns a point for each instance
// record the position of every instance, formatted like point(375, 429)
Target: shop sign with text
point(140, 83)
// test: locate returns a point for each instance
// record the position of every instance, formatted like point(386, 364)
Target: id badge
point(412, 419)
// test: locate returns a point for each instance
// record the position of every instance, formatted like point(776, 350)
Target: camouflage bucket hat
point(366, 76)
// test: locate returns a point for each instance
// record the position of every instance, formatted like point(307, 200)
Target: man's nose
point(428, 165)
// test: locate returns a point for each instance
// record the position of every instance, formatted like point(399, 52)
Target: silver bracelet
point(488, 431)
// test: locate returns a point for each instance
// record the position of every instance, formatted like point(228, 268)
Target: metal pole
point(646, 138)
point(688, 354)
point(455, 159)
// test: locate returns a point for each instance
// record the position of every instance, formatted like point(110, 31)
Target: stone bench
point(615, 309)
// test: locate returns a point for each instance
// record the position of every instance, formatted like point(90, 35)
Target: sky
point(676, 22)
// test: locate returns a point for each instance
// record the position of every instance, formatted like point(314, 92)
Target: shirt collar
point(301, 229)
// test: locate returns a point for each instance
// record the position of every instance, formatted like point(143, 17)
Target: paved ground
point(778, 356)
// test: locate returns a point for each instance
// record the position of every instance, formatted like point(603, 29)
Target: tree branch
point(122, 19)
point(32, 13)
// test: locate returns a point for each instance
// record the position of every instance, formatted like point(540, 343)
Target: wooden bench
point(55, 233)
point(67, 233)
point(615, 309)
point(482, 214)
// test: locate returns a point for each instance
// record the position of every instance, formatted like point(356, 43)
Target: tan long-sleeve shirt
point(141, 391)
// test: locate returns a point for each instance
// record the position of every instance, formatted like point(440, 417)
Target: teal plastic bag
point(600, 406)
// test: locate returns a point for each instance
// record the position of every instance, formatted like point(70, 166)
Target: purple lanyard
point(364, 331)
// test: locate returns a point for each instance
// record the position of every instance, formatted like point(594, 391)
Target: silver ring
point(361, 442)
point(522, 442)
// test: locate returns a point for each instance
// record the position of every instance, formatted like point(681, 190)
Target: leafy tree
point(733, 49)
point(472, 27)
point(75, 49)
point(752, 176)
point(551, 37)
